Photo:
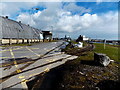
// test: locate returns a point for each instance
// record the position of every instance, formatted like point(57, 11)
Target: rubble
point(79, 45)
point(101, 59)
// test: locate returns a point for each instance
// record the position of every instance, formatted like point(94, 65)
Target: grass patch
point(86, 75)
point(73, 41)
point(87, 56)
point(110, 51)
point(85, 44)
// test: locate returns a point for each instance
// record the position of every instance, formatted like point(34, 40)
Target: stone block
point(101, 59)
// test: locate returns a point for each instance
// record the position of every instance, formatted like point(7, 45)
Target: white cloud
point(64, 21)
point(72, 7)
point(14, 8)
point(26, 18)
point(58, 0)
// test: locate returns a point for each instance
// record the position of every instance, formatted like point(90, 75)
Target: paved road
point(33, 51)
point(16, 53)
point(17, 75)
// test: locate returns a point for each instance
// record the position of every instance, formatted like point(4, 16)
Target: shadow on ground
point(108, 85)
point(89, 62)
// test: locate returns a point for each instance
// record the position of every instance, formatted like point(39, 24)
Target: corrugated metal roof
point(14, 29)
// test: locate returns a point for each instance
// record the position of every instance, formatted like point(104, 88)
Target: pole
point(104, 43)
point(52, 31)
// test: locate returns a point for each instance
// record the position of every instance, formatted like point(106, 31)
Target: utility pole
point(52, 31)
point(104, 43)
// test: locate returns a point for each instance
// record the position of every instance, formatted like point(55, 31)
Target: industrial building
point(47, 35)
point(16, 32)
point(82, 38)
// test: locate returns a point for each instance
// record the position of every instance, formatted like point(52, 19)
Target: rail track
point(79, 52)
point(89, 47)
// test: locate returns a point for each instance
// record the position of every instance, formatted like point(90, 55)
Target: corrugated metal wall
point(17, 30)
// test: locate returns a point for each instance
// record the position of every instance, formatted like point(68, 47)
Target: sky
point(92, 19)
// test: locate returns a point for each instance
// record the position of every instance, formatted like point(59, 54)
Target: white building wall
point(85, 39)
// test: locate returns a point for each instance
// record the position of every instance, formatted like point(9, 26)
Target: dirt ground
point(89, 76)
point(81, 76)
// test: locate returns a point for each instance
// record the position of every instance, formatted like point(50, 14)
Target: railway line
point(89, 47)
point(79, 52)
